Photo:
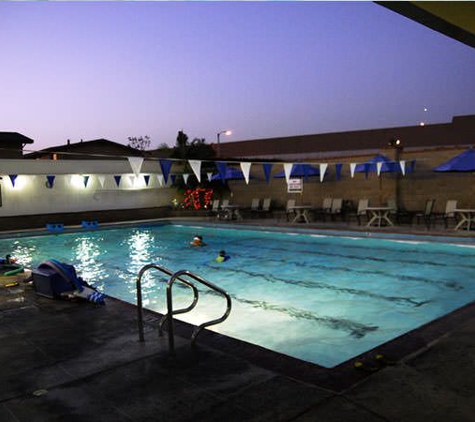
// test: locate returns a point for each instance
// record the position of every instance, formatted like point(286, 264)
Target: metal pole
point(219, 146)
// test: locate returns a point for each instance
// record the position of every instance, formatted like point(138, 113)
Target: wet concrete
point(78, 361)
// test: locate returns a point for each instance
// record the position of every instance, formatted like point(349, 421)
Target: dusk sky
point(261, 69)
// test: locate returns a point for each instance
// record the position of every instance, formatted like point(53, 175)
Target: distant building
point(12, 144)
point(97, 149)
point(460, 132)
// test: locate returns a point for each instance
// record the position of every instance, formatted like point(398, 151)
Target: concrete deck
point(78, 361)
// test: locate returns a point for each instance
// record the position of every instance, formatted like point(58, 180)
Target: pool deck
point(78, 361)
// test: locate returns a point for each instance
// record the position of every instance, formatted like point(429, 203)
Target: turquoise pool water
point(323, 299)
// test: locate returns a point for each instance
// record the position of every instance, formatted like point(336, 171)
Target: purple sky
point(262, 69)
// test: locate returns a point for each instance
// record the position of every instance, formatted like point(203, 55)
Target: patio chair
point(289, 209)
point(427, 215)
point(335, 209)
point(266, 207)
point(214, 211)
point(449, 213)
point(326, 208)
point(361, 210)
point(255, 206)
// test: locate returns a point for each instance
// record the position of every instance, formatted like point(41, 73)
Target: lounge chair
point(214, 211)
point(289, 211)
point(326, 208)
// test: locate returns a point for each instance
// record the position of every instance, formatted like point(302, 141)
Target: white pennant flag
point(102, 180)
point(352, 169)
point(196, 167)
point(136, 164)
point(287, 171)
point(246, 168)
point(402, 163)
point(185, 177)
point(209, 175)
point(379, 164)
point(323, 169)
point(132, 180)
point(160, 179)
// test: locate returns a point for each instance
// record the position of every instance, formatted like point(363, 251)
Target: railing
point(178, 276)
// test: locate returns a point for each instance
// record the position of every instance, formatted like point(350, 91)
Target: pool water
point(322, 299)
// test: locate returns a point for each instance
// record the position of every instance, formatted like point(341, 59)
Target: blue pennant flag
point(117, 180)
point(166, 166)
point(267, 170)
point(173, 178)
point(366, 169)
point(50, 181)
point(13, 178)
point(146, 178)
point(86, 180)
point(338, 168)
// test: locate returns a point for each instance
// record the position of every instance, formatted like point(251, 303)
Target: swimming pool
point(319, 298)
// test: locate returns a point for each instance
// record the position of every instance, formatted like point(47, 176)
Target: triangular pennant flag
point(13, 178)
point(288, 171)
point(146, 177)
point(402, 163)
point(173, 178)
point(50, 180)
point(246, 169)
point(412, 165)
point(160, 179)
point(86, 180)
point(221, 166)
point(366, 169)
point(136, 164)
point(352, 169)
point(323, 169)
point(338, 168)
point(102, 180)
point(185, 177)
point(166, 165)
point(267, 167)
point(132, 179)
point(209, 175)
point(117, 180)
point(196, 167)
point(379, 164)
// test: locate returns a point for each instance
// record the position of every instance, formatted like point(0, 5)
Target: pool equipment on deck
point(57, 280)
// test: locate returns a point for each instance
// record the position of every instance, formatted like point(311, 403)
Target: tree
point(141, 143)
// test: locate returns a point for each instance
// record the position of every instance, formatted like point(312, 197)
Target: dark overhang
point(456, 19)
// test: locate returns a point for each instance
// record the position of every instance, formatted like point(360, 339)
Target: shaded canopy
point(300, 170)
point(462, 162)
point(388, 166)
point(231, 173)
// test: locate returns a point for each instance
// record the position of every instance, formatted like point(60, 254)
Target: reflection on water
point(86, 255)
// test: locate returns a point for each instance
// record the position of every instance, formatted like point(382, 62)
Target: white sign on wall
point(295, 185)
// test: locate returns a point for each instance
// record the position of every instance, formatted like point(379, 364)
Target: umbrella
point(388, 166)
point(230, 174)
point(300, 170)
point(462, 162)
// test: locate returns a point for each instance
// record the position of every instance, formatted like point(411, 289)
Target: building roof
point(96, 148)
point(461, 131)
point(15, 137)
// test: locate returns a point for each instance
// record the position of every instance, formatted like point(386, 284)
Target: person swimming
point(222, 257)
point(197, 241)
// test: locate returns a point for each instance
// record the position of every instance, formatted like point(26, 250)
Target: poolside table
point(301, 213)
point(378, 214)
point(467, 216)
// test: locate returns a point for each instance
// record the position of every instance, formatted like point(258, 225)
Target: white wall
point(30, 195)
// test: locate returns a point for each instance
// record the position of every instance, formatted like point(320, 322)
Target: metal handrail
point(177, 276)
point(139, 297)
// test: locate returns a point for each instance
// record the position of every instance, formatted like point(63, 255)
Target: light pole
point(226, 132)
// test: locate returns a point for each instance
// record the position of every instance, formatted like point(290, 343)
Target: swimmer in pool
point(197, 241)
point(222, 257)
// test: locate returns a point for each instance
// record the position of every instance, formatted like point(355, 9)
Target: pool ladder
point(181, 277)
